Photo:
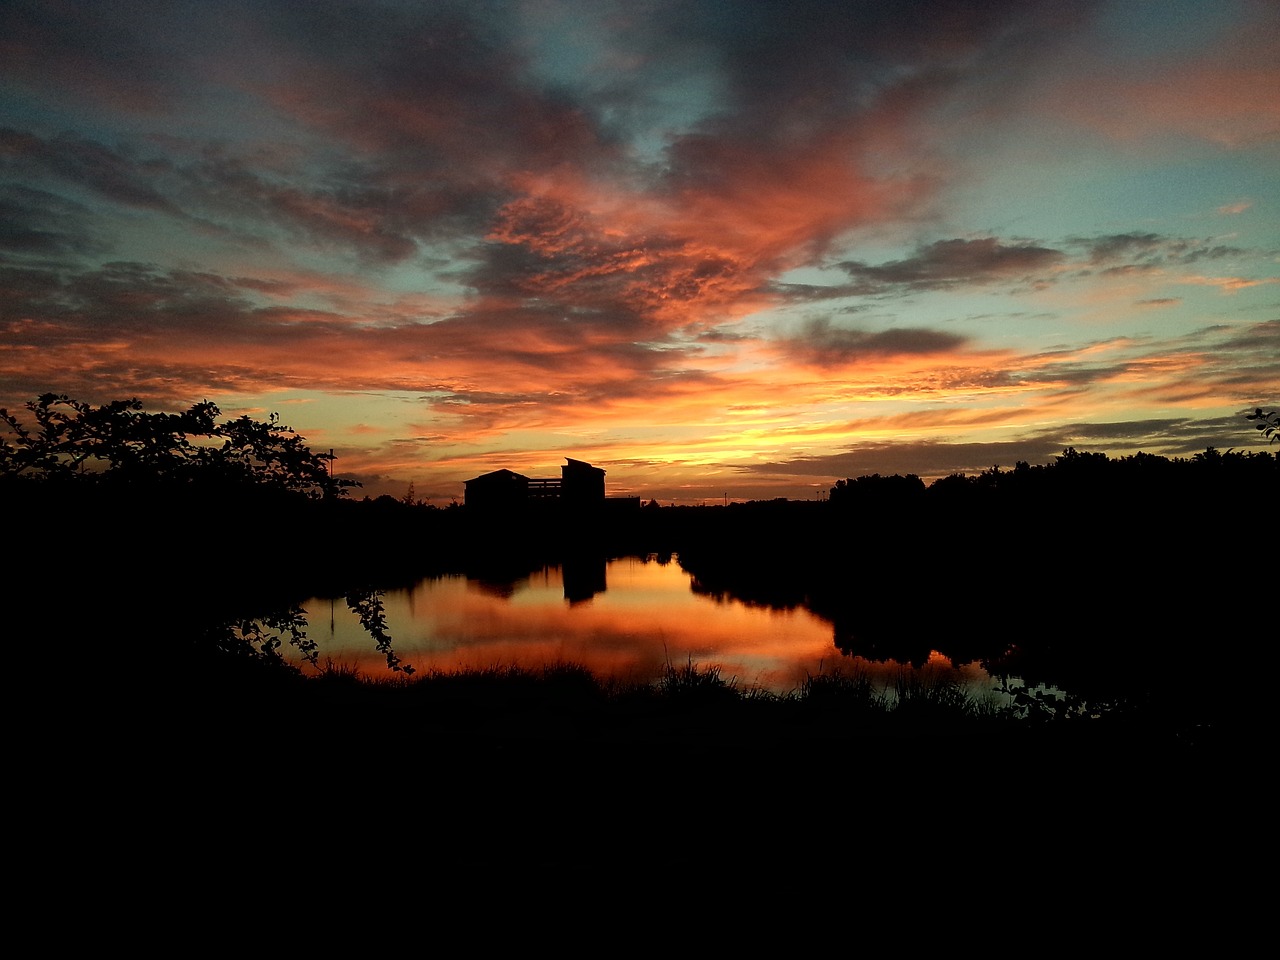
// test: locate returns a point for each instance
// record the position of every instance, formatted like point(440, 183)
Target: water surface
point(626, 618)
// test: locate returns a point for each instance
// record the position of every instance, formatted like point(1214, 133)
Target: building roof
point(503, 475)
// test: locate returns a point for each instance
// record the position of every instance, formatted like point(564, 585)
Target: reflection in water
point(626, 619)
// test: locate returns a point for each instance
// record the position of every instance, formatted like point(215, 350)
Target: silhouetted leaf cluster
point(117, 443)
point(1268, 423)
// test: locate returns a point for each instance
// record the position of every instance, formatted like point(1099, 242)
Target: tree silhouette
point(205, 495)
point(119, 442)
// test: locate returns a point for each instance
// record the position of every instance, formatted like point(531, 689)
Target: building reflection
point(584, 577)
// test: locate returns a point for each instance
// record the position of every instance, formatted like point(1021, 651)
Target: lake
point(625, 618)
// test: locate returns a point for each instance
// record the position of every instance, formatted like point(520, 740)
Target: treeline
point(1078, 475)
point(247, 506)
point(1141, 576)
point(1079, 499)
point(250, 501)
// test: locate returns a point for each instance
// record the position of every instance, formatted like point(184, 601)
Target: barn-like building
point(579, 485)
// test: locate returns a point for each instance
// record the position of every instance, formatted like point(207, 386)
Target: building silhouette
point(580, 486)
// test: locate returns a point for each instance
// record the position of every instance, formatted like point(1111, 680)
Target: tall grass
point(830, 703)
point(691, 683)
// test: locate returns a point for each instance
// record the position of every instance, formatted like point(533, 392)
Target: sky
point(723, 250)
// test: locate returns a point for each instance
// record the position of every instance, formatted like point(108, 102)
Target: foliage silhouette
point(120, 442)
point(367, 605)
point(1268, 423)
point(896, 488)
point(201, 493)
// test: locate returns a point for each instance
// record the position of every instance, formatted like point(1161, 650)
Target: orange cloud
point(1229, 284)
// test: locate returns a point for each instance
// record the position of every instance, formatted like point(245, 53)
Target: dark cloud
point(1261, 337)
point(83, 164)
point(432, 90)
point(1217, 361)
point(816, 293)
point(928, 459)
point(1246, 364)
point(809, 90)
point(830, 55)
point(1177, 437)
point(353, 208)
point(96, 53)
point(335, 208)
point(840, 78)
point(425, 123)
point(948, 263)
point(429, 112)
point(1119, 246)
point(511, 338)
point(1143, 250)
point(1124, 433)
point(129, 328)
point(823, 344)
point(121, 297)
point(175, 332)
point(36, 223)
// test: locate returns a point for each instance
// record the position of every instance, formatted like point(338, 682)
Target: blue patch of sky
point(1134, 29)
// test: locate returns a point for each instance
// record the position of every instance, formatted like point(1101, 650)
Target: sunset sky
point(720, 249)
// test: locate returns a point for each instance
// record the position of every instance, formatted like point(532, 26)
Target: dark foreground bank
point(691, 716)
point(508, 780)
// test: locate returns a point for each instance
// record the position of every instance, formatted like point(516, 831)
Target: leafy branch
point(368, 607)
point(1268, 423)
point(264, 636)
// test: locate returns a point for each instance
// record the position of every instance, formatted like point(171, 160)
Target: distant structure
point(580, 486)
